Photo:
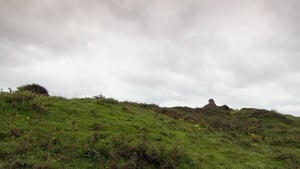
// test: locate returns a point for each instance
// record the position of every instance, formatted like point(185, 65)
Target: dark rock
point(211, 104)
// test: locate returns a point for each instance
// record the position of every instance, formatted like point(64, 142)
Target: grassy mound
point(37, 131)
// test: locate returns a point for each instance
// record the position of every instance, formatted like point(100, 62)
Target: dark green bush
point(111, 101)
point(34, 88)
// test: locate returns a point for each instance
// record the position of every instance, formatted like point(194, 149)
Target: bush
point(34, 88)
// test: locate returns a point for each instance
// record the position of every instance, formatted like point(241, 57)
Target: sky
point(168, 52)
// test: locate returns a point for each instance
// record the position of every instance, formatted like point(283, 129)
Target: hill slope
point(54, 132)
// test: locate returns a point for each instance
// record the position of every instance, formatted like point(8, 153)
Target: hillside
point(49, 132)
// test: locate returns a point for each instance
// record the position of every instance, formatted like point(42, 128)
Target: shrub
point(34, 88)
point(111, 101)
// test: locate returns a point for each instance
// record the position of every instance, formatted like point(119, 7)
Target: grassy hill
point(44, 132)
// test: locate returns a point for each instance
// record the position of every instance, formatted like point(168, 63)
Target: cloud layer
point(241, 53)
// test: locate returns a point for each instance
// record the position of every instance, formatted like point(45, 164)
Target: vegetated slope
point(37, 131)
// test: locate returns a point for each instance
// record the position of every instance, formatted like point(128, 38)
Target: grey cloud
point(241, 53)
point(44, 25)
point(285, 26)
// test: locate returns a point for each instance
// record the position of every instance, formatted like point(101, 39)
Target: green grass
point(53, 132)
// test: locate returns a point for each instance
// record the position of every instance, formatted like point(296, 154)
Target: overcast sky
point(169, 52)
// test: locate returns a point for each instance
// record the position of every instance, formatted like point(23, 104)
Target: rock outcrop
point(211, 104)
point(213, 108)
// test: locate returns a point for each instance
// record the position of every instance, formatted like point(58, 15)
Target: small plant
point(96, 127)
point(14, 132)
point(34, 88)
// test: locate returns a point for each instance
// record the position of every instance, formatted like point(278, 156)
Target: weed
point(96, 127)
point(14, 132)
